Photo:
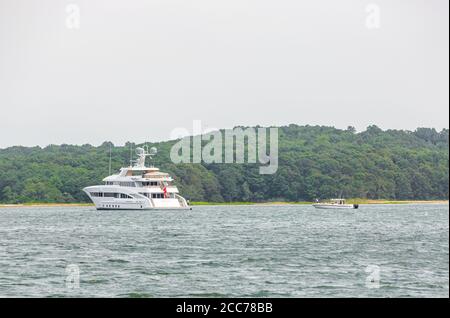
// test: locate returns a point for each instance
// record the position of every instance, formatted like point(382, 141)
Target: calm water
point(257, 251)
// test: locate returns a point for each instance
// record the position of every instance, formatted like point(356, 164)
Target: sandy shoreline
point(362, 202)
point(45, 205)
point(368, 202)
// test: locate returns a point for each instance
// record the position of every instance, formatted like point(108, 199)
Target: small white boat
point(335, 204)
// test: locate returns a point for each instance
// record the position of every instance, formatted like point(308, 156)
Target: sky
point(87, 71)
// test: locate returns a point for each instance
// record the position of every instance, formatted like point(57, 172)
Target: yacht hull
point(135, 202)
point(145, 209)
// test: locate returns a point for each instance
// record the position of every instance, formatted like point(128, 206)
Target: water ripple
point(225, 251)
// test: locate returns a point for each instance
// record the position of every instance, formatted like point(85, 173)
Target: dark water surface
point(236, 251)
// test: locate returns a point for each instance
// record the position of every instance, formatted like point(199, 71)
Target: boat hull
point(109, 206)
point(135, 202)
point(335, 206)
point(144, 209)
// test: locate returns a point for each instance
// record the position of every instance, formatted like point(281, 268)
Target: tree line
point(314, 162)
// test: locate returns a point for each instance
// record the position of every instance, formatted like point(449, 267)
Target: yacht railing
point(146, 197)
point(182, 201)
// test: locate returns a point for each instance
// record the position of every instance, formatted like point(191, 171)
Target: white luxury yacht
point(137, 187)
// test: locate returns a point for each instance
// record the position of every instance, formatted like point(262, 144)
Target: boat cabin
point(337, 201)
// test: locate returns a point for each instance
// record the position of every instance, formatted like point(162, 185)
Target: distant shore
point(350, 201)
point(44, 205)
point(196, 203)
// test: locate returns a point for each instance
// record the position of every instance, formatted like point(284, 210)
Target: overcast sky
point(135, 70)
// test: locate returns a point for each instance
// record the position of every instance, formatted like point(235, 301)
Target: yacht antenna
point(146, 151)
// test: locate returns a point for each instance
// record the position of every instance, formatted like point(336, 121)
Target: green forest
point(314, 162)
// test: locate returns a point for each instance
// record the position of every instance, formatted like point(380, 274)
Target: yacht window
point(127, 184)
point(111, 195)
point(149, 183)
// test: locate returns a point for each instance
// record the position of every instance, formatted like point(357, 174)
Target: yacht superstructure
point(137, 187)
